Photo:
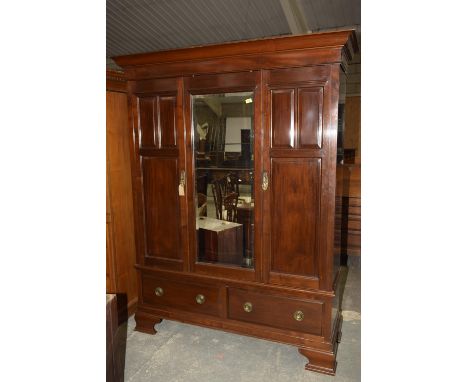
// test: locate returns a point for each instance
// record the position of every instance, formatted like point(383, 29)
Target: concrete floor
point(186, 353)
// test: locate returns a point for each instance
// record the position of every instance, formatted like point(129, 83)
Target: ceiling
point(138, 26)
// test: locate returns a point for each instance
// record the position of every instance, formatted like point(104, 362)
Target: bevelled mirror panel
point(224, 168)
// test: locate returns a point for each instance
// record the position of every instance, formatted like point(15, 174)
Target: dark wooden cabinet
point(121, 276)
point(262, 117)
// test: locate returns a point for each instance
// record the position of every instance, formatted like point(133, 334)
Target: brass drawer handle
point(248, 307)
point(298, 315)
point(200, 299)
point(159, 291)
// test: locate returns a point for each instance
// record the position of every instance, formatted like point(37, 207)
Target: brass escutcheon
point(298, 315)
point(248, 307)
point(159, 291)
point(264, 181)
point(200, 299)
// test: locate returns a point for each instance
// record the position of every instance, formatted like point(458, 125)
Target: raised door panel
point(167, 121)
point(282, 118)
point(146, 106)
point(310, 103)
point(161, 207)
point(294, 216)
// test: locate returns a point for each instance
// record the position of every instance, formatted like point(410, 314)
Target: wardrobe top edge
point(345, 39)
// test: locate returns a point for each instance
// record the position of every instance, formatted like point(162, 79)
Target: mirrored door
point(223, 142)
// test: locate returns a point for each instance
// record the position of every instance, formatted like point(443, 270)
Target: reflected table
point(219, 241)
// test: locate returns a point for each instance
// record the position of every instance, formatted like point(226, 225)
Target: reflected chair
point(232, 183)
point(218, 199)
point(230, 206)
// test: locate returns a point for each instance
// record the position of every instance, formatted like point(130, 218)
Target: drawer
point(276, 311)
point(180, 295)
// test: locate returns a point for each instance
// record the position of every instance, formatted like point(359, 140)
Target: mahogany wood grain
point(310, 104)
point(158, 160)
point(295, 81)
point(110, 251)
point(115, 345)
point(181, 295)
point(275, 44)
point(192, 277)
point(282, 118)
point(167, 121)
point(160, 186)
point(224, 247)
point(348, 225)
point(294, 338)
point(116, 81)
point(327, 202)
point(182, 142)
point(276, 311)
point(230, 64)
point(297, 153)
point(148, 136)
point(120, 239)
point(317, 75)
point(322, 362)
point(352, 136)
point(303, 79)
point(295, 188)
point(145, 322)
point(224, 83)
point(349, 180)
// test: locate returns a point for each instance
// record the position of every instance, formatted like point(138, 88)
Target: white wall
point(234, 125)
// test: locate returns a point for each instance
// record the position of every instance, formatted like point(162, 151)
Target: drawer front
point(275, 311)
point(182, 295)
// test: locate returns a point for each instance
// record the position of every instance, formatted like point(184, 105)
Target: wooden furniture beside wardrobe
point(348, 211)
point(291, 290)
point(115, 352)
point(348, 201)
point(121, 276)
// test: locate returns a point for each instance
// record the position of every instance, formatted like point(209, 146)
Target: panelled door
point(298, 151)
point(159, 172)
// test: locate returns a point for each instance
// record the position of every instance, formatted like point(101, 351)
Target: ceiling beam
point(215, 105)
point(295, 16)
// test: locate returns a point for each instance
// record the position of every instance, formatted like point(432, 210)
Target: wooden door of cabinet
point(159, 189)
point(299, 161)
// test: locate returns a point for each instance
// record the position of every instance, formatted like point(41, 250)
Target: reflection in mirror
point(224, 167)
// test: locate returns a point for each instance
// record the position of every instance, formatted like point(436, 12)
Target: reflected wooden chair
point(230, 206)
point(218, 198)
point(232, 183)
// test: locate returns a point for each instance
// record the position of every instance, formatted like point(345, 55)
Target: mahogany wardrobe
point(234, 150)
